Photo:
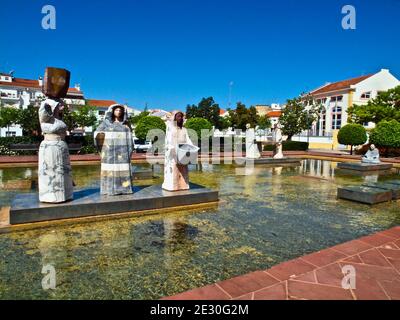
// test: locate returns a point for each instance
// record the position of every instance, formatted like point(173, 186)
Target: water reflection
point(266, 217)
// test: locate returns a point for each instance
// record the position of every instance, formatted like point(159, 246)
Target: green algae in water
point(270, 216)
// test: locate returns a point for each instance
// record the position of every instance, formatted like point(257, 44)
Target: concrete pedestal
point(364, 194)
point(26, 208)
point(364, 169)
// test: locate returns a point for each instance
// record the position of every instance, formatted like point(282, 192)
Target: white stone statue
point(176, 174)
point(252, 151)
point(372, 155)
point(55, 173)
point(278, 139)
point(113, 138)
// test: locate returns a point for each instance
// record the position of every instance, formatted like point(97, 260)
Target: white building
point(20, 93)
point(337, 97)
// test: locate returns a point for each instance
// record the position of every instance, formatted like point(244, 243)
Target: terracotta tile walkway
point(318, 276)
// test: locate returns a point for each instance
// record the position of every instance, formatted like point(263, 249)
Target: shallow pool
point(269, 216)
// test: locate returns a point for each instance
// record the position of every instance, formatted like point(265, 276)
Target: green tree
point(198, 124)
point(239, 116)
point(207, 109)
point(264, 123)
point(386, 134)
point(386, 106)
point(296, 117)
point(148, 123)
point(225, 122)
point(253, 117)
point(68, 118)
point(85, 116)
point(352, 135)
point(134, 120)
point(28, 119)
point(8, 117)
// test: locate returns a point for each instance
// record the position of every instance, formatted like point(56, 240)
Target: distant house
point(335, 98)
point(20, 93)
point(164, 115)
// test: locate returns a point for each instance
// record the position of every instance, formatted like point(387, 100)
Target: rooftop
point(340, 85)
point(101, 103)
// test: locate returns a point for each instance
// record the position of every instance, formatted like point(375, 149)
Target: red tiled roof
point(221, 111)
point(73, 90)
point(340, 85)
point(18, 82)
point(101, 103)
point(28, 83)
point(273, 114)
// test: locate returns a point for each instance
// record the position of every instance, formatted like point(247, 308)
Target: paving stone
point(247, 283)
point(324, 257)
point(290, 269)
point(374, 257)
point(211, 292)
point(352, 247)
point(311, 291)
point(276, 292)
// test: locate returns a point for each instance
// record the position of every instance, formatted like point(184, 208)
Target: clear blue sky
point(170, 53)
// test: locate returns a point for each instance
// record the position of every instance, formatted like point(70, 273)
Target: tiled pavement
point(318, 276)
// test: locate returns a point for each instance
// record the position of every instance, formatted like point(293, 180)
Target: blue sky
point(170, 53)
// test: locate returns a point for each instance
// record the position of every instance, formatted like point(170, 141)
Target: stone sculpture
point(372, 155)
point(55, 172)
point(113, 139)
point(252, 151)
point(176, 174)
point(278, 139)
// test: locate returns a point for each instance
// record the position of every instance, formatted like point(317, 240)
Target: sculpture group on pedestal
point(113, 139)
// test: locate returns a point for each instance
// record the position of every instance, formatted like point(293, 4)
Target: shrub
point(198, 124)
point(5, 143)
point(352, 135)
point(148, 123)
point(386, 135)
point(289, 146)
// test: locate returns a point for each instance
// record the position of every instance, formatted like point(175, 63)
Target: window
point(366, 95)
point(321, 123)
point(11, 134)
point(102, 113)
point(336, 118)
point(336, 99)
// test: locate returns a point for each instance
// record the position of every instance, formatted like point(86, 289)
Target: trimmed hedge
point(148, 123)
point(289, 146)
point(5, 143)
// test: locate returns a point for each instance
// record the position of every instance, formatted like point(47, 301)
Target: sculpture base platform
point(364, 194)
point(394, 188)
point(271, 161)
point(26, 208)
point(363, 169)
